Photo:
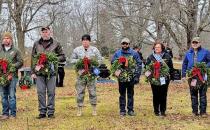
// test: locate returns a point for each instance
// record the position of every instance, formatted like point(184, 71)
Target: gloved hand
point(136, 80)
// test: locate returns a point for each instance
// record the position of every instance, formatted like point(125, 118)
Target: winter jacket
point(203, 55)
point(52, 46)
point(14, 56)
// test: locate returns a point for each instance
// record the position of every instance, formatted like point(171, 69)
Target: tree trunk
point(192, 21)
point(20, 39)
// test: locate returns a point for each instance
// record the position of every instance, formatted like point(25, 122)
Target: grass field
point(178, 110)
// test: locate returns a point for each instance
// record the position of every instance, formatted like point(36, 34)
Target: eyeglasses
point(124, 43)
point(194, 42)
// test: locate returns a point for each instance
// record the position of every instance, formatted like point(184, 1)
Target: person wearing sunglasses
point(196, 54)
point(128, 86)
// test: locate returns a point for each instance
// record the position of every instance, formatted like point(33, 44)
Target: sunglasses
point(194, 42)
point(124, 43)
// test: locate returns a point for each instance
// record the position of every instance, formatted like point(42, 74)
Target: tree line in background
point(143, 21)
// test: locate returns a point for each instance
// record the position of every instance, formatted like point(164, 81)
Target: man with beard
point(9, 52)
point(128, 86)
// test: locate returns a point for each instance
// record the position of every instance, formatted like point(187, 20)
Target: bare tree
point(25, 13)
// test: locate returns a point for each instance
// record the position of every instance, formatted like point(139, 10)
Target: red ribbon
point(197, 71)
point(4, 64)
point(24, 87)
point(123, 59)
point(86, 63)
point(156, 67)
point(42, 59)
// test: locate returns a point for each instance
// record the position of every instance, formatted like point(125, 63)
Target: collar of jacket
point(192, 50)
point(3, 48)
point(50, 41)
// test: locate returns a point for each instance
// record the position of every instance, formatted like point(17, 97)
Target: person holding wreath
point(195, 67)
point(126, 66)
point(158, 71)
point(86, 59)
point(46, 54)
point(10, 61)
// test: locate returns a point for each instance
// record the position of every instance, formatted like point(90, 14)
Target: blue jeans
point(9, 98)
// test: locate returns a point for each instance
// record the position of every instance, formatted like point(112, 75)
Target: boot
point(79, 111)
point(94, 113)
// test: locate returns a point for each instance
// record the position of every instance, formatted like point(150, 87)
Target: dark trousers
point(203, 99)
point(159, 98)
point(123, 87)
point(60, 77)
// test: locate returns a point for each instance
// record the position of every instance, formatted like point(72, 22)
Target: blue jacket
point(188, 62)
point(129, 52)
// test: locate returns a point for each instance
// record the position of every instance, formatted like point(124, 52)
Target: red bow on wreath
point(24, 87)
point(197, 71)
point(123, 59)
point(86, 63)
point(156, 67)
point(4, 65)
point(42, 59)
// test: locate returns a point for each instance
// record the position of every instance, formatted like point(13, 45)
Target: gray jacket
point(80, 52)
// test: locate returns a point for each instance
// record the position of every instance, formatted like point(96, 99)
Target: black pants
point(60, 77)
point(159, 98)
point(123, 87)
point(203, 99)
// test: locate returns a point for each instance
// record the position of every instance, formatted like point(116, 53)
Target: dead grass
point(178, 118)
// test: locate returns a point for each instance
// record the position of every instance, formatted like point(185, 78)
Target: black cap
point(45, 28)
point(86, 37)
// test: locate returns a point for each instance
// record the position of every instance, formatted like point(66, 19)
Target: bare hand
point(38, 67)
point(117, 73)
point(33, 76)
point(9, 77)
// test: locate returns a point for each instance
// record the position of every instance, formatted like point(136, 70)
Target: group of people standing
point(160, 53)
point(46, 86)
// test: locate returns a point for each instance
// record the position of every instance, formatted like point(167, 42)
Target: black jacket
point(168, 60)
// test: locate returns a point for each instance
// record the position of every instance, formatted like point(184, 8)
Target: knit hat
point(125, 40)
point(7, 34)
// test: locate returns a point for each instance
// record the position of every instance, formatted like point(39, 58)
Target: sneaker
point(4, 117)
point(51, 116)
point(131, 113)
point(41, 116)
point(204, 115)
point(122, 113)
